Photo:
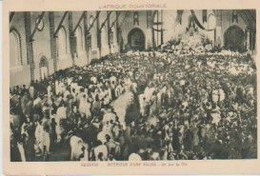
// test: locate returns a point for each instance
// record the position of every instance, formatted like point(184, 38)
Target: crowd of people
point(139, 106)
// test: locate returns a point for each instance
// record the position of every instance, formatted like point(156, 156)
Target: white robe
point(49, 91)
point(142, 104)
point(61, 113)
point(101, 149)
point(45, 141)
point(76, 145)
point(84, 107)
point(21, 151)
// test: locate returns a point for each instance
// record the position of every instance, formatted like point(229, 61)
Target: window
point(79, 35)
point(204, 16)
point(212, 22)
point(15, 49)
point(62, 42)
point(136, 18)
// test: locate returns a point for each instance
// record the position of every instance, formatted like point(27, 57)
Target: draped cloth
point(198, 23)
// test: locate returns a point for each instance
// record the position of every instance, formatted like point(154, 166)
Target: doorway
point(234, 39)
point(136, 39)
point(44, 68)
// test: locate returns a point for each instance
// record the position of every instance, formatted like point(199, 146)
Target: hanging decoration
point(234, 16)
point(179, 16)
point(149, 19)
point(136, 18)
point(204, 16)
point(194, 17)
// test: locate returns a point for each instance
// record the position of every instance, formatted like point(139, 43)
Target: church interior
point(133, 85)
point(42, 43)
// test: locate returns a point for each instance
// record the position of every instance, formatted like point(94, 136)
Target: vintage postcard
point(131, 87)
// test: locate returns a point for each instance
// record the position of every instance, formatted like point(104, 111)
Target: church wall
point(42, 40)
point(227, 22)
point(172, 28)
point(128, 25)
point(223, 22)
point(210, 34)
point(41, 44)
point(94, 51)
point(81, 57)
point(113, 39)
point(64, 60)
point(104, 34)
point(20, 74)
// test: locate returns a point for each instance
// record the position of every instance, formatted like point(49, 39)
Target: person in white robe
point(134, 157)
point(21, 151)
point(77, 148)
point(86, 153)
point(100, 153)
point(45, 143)
point(108, 117)
point(31, 91)
point(118, 90)
point(113, 79)
point(49, 91)
point(148, 92)
point(57, 87)
point(61, 112)
point(142, 104)
point(85, 107)
point(38, 137)
point(37, 102)
point(65, 95)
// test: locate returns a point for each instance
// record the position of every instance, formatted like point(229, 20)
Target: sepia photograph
point(140, 85)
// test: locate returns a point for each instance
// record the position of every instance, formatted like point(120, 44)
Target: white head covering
point(134, 157)
point(102, 137)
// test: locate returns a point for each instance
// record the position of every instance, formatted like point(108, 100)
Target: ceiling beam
point(93, 22)
point(11, 16)
point(116, 20)
point(123, 19)
point(78, 23)
point(36, 25)
point(103, 24)
point(60, 24)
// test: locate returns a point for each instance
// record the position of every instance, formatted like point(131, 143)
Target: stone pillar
point(115, 43)
point(98, 35)
point(72, 39)
point(108, 33)
point(53, 43)
point(86, 36)
point(218, 31)
point(29, 43)
point(247, 39)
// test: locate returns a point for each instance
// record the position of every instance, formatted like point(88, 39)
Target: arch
point(212, 21)
point(136, 39)
point(62, 42)
point(80, 43)
point(104, 35)
point(234, 39)
point(44, 67)
point(15, 48)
